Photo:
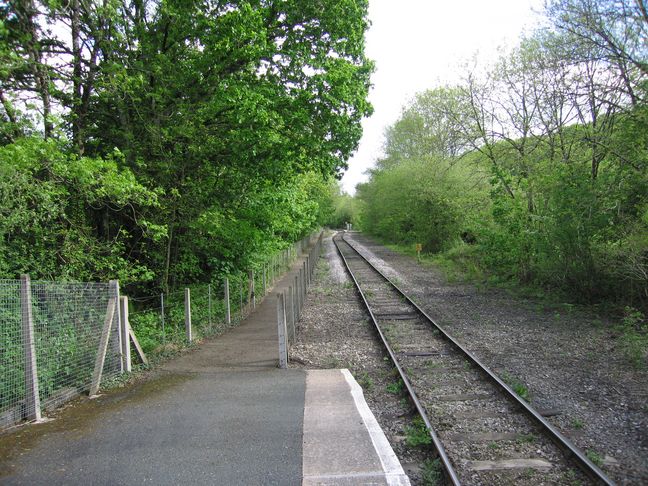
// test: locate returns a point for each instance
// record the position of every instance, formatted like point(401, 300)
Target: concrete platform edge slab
point(343, 443)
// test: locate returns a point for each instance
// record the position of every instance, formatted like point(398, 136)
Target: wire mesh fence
point(58, 339)
point(290, 300)
point(159, 321)
point(50, 337)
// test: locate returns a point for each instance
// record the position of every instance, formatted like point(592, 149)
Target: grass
point(517, 386)
point(417, 434)
point(431, 364)
point(577, 424)
point(633, 337)
point(526, 439)
point(396, 387)
point(594, 456)
point(432, 472)
point(528, 474)
point(571, 477)
point(365, 381)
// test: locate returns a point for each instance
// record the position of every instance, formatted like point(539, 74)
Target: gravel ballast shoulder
point(568, 360)
point(335, 332)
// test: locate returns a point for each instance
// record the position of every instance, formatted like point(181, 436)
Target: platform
point(223, 414)
point(343, 443)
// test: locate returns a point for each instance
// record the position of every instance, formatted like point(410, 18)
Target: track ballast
point(482, 432)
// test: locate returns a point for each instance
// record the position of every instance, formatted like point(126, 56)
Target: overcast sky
point(420, 44)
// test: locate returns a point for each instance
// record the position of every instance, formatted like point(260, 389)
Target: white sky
point(420, 44)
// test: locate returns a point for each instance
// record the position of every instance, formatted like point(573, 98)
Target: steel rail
point(445, 460)
point(587, 466)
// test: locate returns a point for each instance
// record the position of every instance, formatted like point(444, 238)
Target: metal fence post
point(252, 291)
point(162, 318)
point(124, 325)
point(209, 321)
point(308, 270)
point(187, 308)
point(305, 282)
point(300, 298)
point(281, 330)
point(290, 313)
point(241, 300)
point(32, 399)
point(228, 311)
point(118, 343)
point(264, 279)
point(295, 298)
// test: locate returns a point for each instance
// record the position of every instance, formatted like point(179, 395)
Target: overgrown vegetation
point(165, 142)
point(633, 331)
point(534, 171)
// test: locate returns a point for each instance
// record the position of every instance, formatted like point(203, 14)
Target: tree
point(215, 107)
point(431, 125)
point(610, 30)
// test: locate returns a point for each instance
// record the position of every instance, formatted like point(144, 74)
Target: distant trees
point(230, 114)
point(550, 146)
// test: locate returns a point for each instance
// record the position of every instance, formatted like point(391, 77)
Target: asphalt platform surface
point(223, 414)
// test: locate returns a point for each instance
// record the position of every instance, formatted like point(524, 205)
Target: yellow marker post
point(419, 247)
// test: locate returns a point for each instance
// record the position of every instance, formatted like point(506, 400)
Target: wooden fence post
point(281, 331)
point(187, 309)
point(105, 336)
point(32, 399)
point(228, 309)
point(125, 341)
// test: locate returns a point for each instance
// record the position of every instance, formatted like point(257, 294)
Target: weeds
point(594, 456)
point(417, 434)
point(634, 337)
point(577, 424)
point(517, 386)
point(528, 473)
point(572, 478)
point(395, 388)
point(432, 472)
point(526, 439)
point(365, 381)
point(431, 364)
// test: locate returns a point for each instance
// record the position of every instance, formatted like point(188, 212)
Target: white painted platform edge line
point(395, 474)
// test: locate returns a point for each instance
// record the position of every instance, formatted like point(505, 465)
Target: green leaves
point(202, 135)
point(48, 203)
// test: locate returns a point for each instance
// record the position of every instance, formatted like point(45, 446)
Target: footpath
point(223, 414)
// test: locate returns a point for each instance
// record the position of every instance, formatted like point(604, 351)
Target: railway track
point(482, 432)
